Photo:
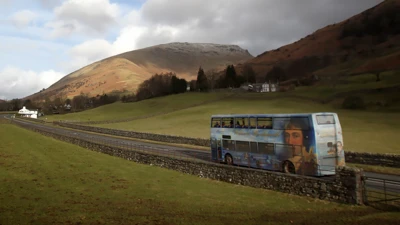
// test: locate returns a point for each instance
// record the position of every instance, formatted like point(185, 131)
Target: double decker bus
point(306, 143)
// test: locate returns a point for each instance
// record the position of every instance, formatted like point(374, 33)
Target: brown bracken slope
point(127, 70)
point(367, 42)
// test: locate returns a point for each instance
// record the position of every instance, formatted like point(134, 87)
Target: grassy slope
point(120, 110)
point(363, 131)
point(48, 181)
point(374, 130)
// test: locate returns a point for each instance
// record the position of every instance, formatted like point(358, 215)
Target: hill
point(124, 72)
point(367, 42)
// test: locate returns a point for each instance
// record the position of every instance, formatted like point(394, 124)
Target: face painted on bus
point(293, 136)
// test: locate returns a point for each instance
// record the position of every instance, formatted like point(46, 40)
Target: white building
point(269, 87)
point(28, 113)
point(261, 87)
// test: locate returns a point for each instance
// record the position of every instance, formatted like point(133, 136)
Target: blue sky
point(43, 40)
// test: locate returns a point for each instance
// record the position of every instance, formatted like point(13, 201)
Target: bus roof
point(272, 115)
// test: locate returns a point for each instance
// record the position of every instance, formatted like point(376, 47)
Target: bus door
point(326, 128)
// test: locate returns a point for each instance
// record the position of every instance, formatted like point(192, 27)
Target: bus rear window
point(325, 119)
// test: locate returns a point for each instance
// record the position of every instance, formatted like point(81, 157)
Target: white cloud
point(89, 17)
point(49, 3)
point(18, 83)
point(23, 18)
point(97, 49)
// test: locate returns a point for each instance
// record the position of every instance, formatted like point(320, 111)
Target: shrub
point(353, 102)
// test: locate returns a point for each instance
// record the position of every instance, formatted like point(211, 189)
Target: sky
point(42, 41)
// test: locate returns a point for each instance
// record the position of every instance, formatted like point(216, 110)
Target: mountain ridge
point(125, 71)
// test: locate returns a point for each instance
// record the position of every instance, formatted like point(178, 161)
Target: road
point(374, 180)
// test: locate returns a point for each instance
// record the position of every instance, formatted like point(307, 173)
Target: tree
point(192, 85)
point(249, 74)
point(230, 76)
point(276, 74)
point(201, 82)
point(28, 104)
point(212, 76)
point(178, 85)
point(15, 104)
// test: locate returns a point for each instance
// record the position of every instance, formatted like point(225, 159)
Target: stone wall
point(346, 187)
point(389, 160)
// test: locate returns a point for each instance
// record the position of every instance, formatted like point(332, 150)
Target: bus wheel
point(288, 167)
point(228, 159)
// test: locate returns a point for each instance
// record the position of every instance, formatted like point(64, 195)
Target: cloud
point(89, 17)
point(49, 3)
point(22, 18)
point(258, 25)
point(87, 53)
point(18, 83)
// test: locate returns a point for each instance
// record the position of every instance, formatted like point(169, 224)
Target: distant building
point(67, 107)
point(24, 112)
point(261, 87)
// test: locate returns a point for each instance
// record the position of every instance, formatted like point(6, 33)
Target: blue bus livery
point(308, 144)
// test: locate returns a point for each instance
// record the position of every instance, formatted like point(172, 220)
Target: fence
point(383, 192)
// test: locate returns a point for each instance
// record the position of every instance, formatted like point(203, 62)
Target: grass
point(373, 130)
point(362, 82)
point(120, 110)
point(376, 169)
point(8, 112)
point(363, 131)
point(48, 181)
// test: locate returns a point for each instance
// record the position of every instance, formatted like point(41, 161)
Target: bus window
point(241, 122)
point(325, 119)
point(215, 122)
point(253, 147)
point(294, 123)
point(227, 122)
point(264, 123)
point(242, 146)
point(253, 123)
point(228, 145)
point(266, 148)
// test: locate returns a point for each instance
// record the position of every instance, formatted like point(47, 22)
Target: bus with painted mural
point(306, 143)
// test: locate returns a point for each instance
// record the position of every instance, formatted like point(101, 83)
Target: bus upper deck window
point(215, 122)
point(264, 123)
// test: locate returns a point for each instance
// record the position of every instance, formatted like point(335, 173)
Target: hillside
point(366, 42)
point(127, 70)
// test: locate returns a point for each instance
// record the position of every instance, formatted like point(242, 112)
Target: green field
point(8, 112)
point(331, 86)
point(372, 130)
point(47, 181)
point(121, 110)
point(363, 131)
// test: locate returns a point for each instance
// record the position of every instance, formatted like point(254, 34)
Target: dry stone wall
point(389, 160)
point(346, 187)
